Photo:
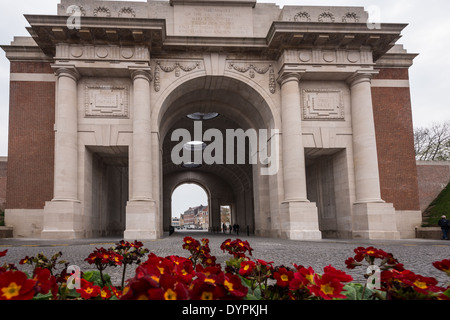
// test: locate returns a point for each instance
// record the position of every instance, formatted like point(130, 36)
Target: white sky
point(428, 34)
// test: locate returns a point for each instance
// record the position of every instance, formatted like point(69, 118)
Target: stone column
point(372, 217)
point(62, 216)
point(141, 221)
point(364, 141)
point(293, 152)
point(142, 137)
point(66, 137)
point(299, 217)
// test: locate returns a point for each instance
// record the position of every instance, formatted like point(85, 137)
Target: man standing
point(445, 225)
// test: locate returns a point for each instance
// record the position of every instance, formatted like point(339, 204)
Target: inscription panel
point(323, 104)
point(106, 101)
point(213, 21)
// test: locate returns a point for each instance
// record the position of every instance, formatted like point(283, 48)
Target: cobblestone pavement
point(417, 255)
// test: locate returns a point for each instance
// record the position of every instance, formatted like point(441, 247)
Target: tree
point(433, 144)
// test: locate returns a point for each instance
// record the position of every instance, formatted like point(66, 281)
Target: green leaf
point(94, 276)
point(355, 291)
point(447, 293)
point(41, 296)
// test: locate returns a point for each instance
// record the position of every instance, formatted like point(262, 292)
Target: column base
point(141, 222)
point(62, 220)
point(374, 221)
point(301, 221)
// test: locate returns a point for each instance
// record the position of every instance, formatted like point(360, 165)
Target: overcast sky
point(428, 34)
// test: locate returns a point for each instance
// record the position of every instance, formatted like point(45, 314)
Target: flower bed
point(199, 277)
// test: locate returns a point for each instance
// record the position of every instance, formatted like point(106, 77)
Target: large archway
point(237, 184)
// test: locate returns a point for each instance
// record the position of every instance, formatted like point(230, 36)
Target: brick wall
point(433, 178)
point(395, 141)
point(31, 139)
point(3, 167)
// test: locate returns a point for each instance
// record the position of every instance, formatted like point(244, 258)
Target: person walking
point(445, 225)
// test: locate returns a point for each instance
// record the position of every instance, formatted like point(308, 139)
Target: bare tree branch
point(433, 144)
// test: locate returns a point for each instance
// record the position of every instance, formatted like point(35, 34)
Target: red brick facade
point(395, 141)
point(31, 139)
point(3, 168)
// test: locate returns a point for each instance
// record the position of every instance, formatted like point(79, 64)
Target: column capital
point(141, 73)
point(290, 73)
point(361, 76)
point(66, 71)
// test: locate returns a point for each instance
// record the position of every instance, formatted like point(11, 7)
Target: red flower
point(338, 274)
point(233, 285)
point(236, 247)
point(45, 281)
point(172, 289)
point(443, 265)
point(266, 266)
point(25, 260)
point(246, 268)
point(352, 263)
point(207, 271)
point(3, 253)
point(207, 290)
point(14, 285)
point(327, 287)
point(420, 284)
point(283, 277)
point(191, 244)
point(88, 289)
point(103, 258)
point(116, 292)
point(371, 253)
point(105, 293)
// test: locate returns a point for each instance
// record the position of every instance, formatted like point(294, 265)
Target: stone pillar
point(66, 143)
point(142, 137)
point(141, 222)
point(364, 141)
point(62, 216)
point(293, 152)
point(372, 217)
point(299, 217)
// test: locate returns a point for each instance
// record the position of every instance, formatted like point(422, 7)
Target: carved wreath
point(251, 68)
point(302, 16)
point(127, 11)
point(350, 17)
point(326, 17)
point(102, 10)
point(176, 66)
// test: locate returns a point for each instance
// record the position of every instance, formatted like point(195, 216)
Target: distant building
point(195, 218)
point(176, 222)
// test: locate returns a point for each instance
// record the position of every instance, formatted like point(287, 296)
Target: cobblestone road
point(417, 255)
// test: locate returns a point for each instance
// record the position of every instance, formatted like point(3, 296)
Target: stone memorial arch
point(104, 92)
